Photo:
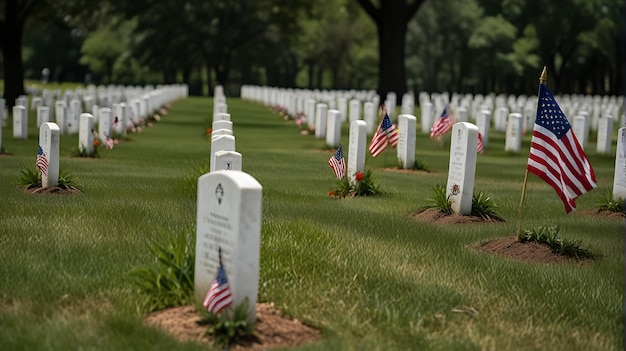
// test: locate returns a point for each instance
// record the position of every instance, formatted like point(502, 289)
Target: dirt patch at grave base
point(52, 190)
point(273, 329)
point(433, 215)
point(529, 251)
point(603, 214)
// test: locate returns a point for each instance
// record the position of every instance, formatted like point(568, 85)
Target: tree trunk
point(391, 68)
point(391, 19)
point(11, 31)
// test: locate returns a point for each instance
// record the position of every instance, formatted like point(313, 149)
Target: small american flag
point(109, 143)
point(218, 297)
point(116, 121)
point(386, 135)
point(480, 148)
point(338, 163)
point(555, 154)
point(42, 161)
point(442, 125)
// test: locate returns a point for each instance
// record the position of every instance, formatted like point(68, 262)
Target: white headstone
point(43, 115)
point(61, 115)
point(408, 104)
point(20, 122)
point(580, 126)
point(229, 220)
point(355, 110)
point(35, 103)
point(513, 141)
point(483, 122)
point(119, 111)
point(342, 106)
point(605, 133)
point(104, 124)
point(49, 139)
point(222, 124)
point(227, 161)
point(321, 111)
point(333, 128)
point(462, 169)
point(220, 107)
point(74, 116)
point(222, 116)
point(406, 143)
point(216, 132)
point(462, 114)
point(219, 143)
point(619, 178)
point(370, 117)
point(501, 118)
point(427, 116)
point(356, 148)
point(309, 112)
point(85, 133)
point(95, 112)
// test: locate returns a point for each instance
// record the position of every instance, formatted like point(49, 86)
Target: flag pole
point(543, 79)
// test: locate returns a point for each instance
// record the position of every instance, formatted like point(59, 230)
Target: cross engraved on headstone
point(219, 193)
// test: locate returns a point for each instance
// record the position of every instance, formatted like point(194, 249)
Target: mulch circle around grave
point(529, 251)
point(603, 214)
point(53, 190)
point(273, 329)
point(433, 215)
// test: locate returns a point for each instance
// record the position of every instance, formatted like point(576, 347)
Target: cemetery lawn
point(359, 269)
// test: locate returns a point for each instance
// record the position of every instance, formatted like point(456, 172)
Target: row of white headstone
point(228, 218)
point(130, 103)
point(49, 134)
point(592, 113)
point(293, 101)
point(73, 120)
point(514, 115)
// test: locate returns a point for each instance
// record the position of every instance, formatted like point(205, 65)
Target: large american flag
point(442, 125)
point(218, 297)
point(338, 163)
point(385, 135)
point(555, 154)
point(42, 161)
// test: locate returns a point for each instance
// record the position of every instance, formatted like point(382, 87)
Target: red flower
point(359, 176)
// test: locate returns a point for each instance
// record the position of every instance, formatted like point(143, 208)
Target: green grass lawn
point(360, 269)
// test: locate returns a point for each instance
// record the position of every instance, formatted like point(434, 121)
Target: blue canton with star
point(549, 114)
point(386, 122)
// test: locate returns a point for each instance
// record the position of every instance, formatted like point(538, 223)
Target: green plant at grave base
point(82, 152)
point(606, 202)
point(417, 165)
point(421, 166)
point(230, 326)
point(440, 200)
point(362, 186)
point(483, 206)
point(29, 177)
point(169, 280)
point(67, 181)
point(548, 235)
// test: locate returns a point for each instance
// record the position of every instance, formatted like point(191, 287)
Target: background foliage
point(474, 46)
